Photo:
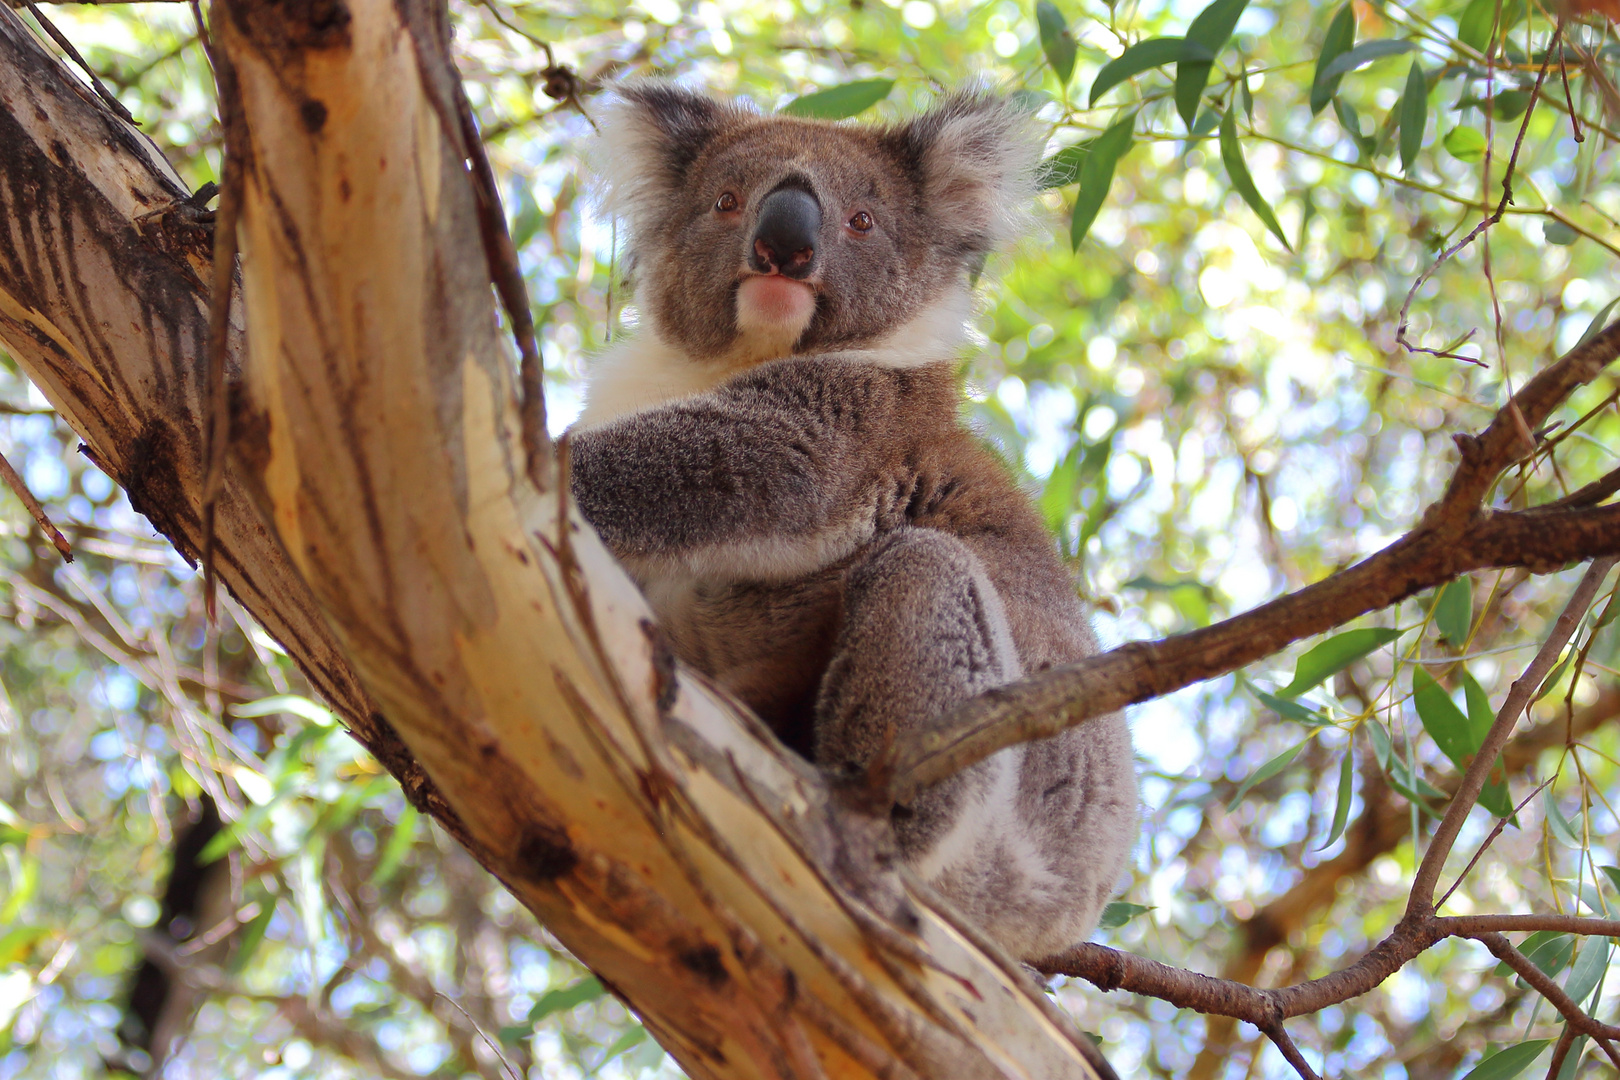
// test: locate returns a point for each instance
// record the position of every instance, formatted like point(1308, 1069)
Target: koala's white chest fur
point(642, 371)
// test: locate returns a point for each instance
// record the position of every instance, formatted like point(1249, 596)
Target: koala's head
point(755, 236)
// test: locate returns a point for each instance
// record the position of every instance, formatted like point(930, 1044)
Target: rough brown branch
point(1455, 536)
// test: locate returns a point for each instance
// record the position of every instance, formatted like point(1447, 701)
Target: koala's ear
point(977, 156)
point(651, 134)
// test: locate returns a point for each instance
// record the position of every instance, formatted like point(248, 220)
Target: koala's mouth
point(774, 306)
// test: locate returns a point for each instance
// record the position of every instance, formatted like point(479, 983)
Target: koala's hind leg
point(1028, 843)
point(923, 631)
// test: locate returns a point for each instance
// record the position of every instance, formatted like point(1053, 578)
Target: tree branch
point(1454, 537)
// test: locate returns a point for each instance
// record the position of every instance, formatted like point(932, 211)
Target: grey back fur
point(810, 521)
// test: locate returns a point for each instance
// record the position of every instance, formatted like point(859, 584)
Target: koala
point(778, 458)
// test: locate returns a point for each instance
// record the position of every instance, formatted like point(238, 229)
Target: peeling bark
point(378, 521)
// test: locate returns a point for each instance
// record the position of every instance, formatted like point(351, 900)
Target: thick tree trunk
point(379, 523)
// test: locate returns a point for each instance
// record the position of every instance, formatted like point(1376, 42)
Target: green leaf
point(1237, 170)
point(1494, 796)
point(1597, 325)
point(1063, 167)
point(399, 842)
point(1265, 772)
point(1350, 120)
point(630, 1039)
point(24, 882)
point(1341, 808)
point(1454, 610)
point(1152, 53)
point(1587, 970)
point(1414, 115)
point(1380, 742)
point(252, 935)
point(1097, 175)
point(1364, 54)
point(1550, 683)
point(1291, 710)
point(1445, 723)
point(1212, 29)
point(1334, 655)
point(840, 102)
point(1613, 874)
point(565, 998)
point(1465, 144)
point(1556, 232)
point(1056, 40)
point(16, 943)
point(1506, 1064)
point(297, 705)
point(1119, 913)
point(1567, 832)
point(1479, 25)
point(1341, 36)
point(1246, 98)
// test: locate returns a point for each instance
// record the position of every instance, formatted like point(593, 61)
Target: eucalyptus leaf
point(1414, 115)
point(1556, 232)
point(1454, 610)
point(1599, 321)
point(1508, 1063)
point(1056, 40)
point(1097, 175)
point(1152, 53)
point(1119, 913)
point(1341, 37)
point(840, 102)
point(1364, 54)
point(1465, 144)
point(1212, 28)
point(565, 998)
point(1334, 655)
point(1237, 170)
point(1591, 961)
point(1341, 805)
point(1265, 772)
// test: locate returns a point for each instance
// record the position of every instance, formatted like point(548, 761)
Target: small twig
point(1489, 220)
point(15, 483)
point(1496, 830)
point(491, 1043)
point(1280, 1038)
point(1518, 699)
point(1569, 99)
point(67, 46)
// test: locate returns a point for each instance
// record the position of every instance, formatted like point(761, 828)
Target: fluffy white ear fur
point(980, 156)
point(650, 134)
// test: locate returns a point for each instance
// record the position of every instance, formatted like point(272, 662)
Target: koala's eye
point(726, 203)
point(861, 222)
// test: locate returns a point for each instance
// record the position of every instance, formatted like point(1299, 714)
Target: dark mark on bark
point(705, 962)
point(666, 682)
point(312, 114)
point(543, 855)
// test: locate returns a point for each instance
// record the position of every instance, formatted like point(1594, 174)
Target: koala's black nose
point(785, 237)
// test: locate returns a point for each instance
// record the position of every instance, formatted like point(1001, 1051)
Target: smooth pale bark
point(708, 876)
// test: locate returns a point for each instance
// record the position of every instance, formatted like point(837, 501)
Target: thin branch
point(1539, 981)
point(66, 45)
point(1279, 1036)
point(1454, 537)
point(1518, 699)
point(16, 484)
